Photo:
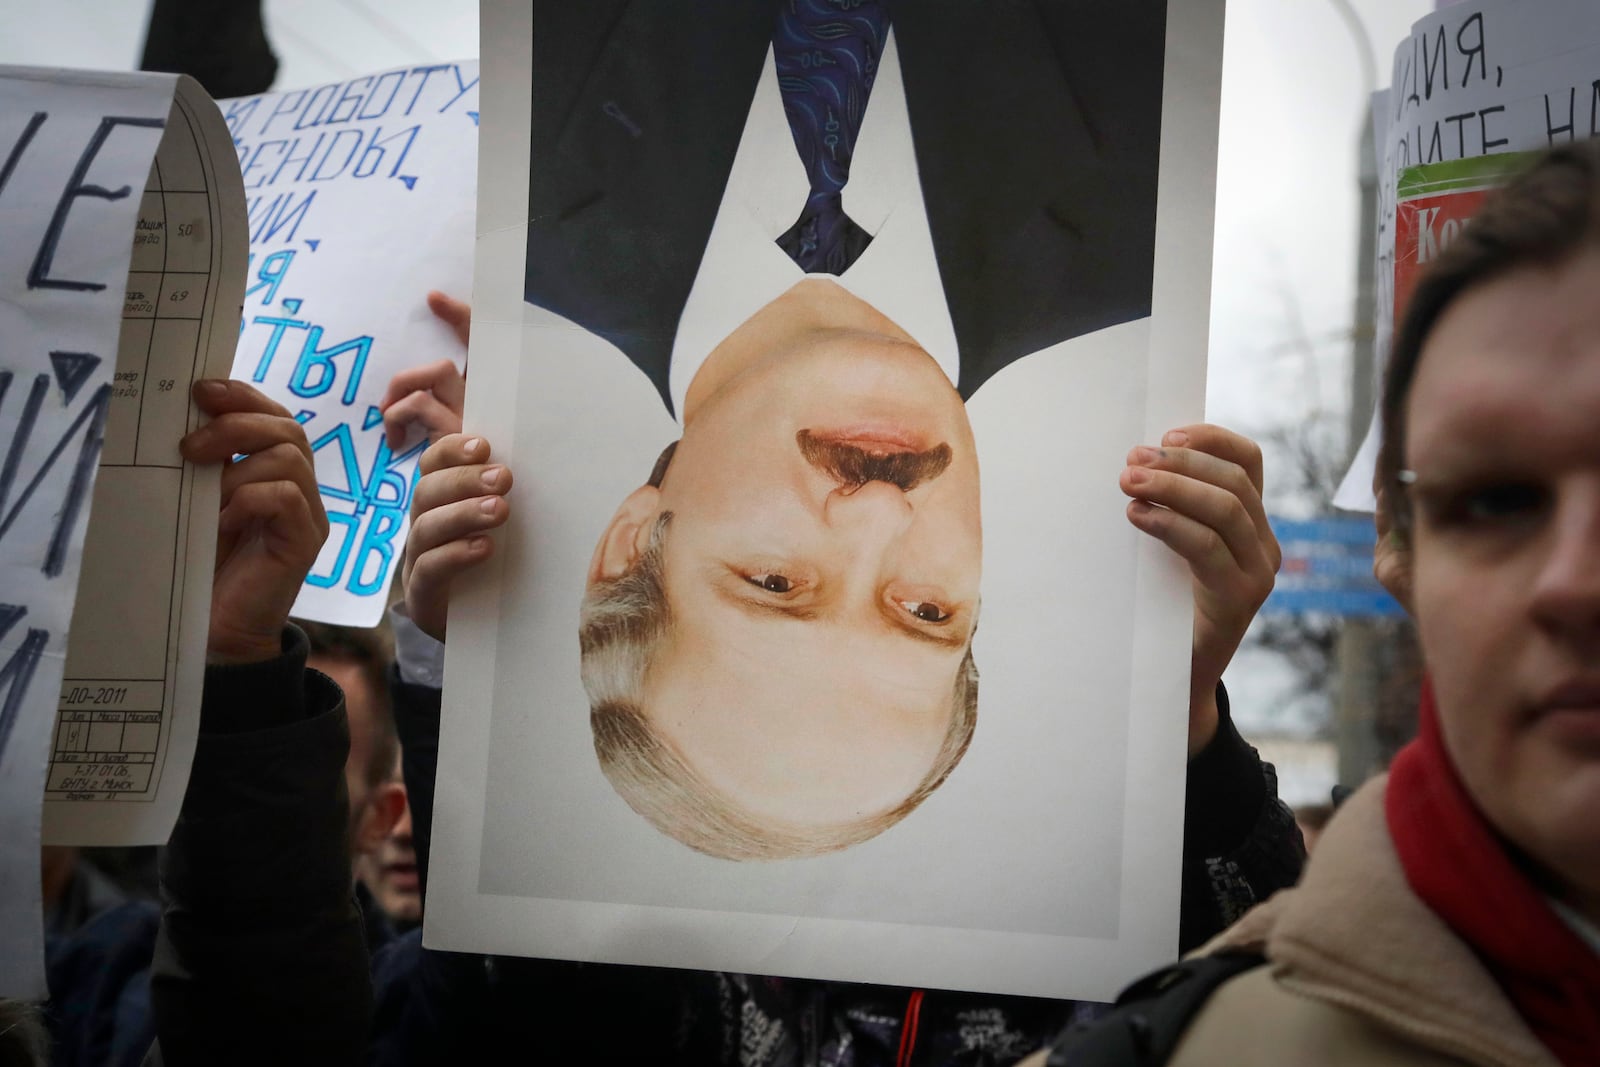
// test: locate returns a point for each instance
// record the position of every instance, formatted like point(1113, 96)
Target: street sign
point(1327, 569)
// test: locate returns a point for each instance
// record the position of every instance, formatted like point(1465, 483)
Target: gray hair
point(623, 621)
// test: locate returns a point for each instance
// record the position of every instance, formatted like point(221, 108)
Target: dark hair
point(372, 650)
point(1542, 216)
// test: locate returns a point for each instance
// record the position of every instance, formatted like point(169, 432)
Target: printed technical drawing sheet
point(114, 302)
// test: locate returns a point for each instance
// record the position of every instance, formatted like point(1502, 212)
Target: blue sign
point(1327, 570)
point(1333, 529)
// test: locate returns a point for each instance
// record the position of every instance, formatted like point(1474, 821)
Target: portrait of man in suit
point(776, 633)
point(817, 227)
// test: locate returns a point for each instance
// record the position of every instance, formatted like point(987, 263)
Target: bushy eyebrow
point(758, 605)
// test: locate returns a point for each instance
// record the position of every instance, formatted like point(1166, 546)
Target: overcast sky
point(1293, 103)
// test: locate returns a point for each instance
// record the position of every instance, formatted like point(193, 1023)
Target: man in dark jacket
point(260, 957)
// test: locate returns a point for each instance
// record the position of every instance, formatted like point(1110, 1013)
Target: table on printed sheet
point(108, 728)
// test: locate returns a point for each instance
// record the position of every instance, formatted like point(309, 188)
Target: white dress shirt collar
point(743, 269)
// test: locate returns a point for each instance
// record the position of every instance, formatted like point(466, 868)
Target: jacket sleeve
point(1240, 842)
point(221, 43)
point(260, 957)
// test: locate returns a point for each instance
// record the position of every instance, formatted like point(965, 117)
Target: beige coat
point(1360, 972)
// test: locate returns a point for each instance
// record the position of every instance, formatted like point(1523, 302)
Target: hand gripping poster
point(360, 202)
point(816, 334)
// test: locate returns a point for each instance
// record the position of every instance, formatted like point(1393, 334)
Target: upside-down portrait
point(818, 334)
point(776, 629)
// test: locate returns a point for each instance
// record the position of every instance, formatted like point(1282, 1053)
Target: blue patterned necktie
point(827, 55)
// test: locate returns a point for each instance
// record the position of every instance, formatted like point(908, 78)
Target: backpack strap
point(1150, 1017)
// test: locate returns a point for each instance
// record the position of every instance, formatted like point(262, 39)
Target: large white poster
point(904, 292)
point(1478, 78)
point(130, 697)
point(360, 197)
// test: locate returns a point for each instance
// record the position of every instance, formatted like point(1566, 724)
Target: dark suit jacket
point(1036, 125)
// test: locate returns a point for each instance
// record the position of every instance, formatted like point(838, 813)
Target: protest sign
point(360, 199)
point(638, 236)
point(110, 307)
point(1477, 79)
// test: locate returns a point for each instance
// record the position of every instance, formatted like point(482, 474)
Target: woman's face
point(1504, 437)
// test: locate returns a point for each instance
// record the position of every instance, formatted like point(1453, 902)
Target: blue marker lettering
point(320, 360)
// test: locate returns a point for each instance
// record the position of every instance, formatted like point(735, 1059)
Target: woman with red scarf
point(1451, 913)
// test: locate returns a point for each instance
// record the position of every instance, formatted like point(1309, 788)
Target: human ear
point(1391, 556)
point(385, 804)
point(626, 535)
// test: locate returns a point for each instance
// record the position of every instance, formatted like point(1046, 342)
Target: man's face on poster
point(821, 565)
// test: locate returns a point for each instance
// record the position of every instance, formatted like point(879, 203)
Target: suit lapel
point(639, 106)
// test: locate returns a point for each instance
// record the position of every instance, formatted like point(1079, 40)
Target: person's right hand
point(1200, 494)
point(272, 522)
point(458, 500)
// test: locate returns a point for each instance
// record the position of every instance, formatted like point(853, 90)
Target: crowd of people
point(291, 885)
point(1450, 915)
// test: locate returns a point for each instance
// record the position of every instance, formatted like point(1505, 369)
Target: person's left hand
point(458, 500)
point(1200, 494)
point(272, 523)
point(432, 395)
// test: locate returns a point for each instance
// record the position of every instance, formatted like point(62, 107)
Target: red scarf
point(1459, 868)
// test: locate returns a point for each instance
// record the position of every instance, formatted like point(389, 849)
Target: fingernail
point(1138, 475)
point(210, 388)
point(471, 445)
point(1143, 455)
point(488, 506)
point(1175, 438)
point(491, 477)
point(478, 544)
